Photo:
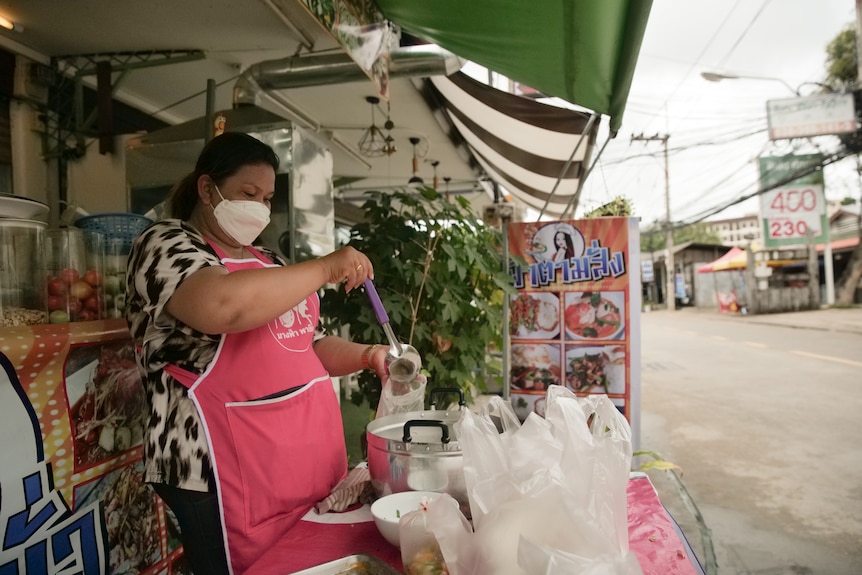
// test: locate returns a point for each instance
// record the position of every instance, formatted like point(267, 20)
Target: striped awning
point(523, 145)
point(583, 51)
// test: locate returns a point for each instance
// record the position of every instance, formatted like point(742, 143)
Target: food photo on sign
point(535, 367)
point(106, 402)
point(595, 315)
point(600, 369)
point(534, 315)
point(131, 518)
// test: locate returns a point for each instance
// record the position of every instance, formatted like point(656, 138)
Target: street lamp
point(718, 77)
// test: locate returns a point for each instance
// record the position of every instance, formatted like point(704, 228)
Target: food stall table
point(654, 538)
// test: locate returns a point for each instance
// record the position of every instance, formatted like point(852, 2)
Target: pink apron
point(274, 454)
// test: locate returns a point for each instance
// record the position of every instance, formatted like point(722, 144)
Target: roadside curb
point(824, 320)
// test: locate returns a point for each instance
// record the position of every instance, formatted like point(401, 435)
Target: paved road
point(764, 416)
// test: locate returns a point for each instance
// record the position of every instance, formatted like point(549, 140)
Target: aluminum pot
point(418, 451)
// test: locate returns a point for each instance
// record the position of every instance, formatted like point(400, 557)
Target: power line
point(802, 172)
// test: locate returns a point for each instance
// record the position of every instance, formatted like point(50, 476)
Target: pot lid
point(391, 427)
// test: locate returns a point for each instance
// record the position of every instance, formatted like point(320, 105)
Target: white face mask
point(243, 220)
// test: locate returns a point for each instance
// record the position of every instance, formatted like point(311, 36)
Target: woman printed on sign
point(244, 425)
point(564, 247)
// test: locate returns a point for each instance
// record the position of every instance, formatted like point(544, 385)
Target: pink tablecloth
point(653, 537)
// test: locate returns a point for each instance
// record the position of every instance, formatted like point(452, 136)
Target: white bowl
point(389, 509)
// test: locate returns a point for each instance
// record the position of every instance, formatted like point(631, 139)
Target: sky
point(716, 130)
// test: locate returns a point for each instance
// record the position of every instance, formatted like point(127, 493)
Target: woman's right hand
point(348, 265)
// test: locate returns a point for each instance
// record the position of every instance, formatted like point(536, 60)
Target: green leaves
point(439, 272)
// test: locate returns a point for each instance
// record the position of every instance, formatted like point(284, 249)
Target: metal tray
point(352, 565)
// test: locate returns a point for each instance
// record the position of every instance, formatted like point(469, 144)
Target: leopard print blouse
point(166, 253)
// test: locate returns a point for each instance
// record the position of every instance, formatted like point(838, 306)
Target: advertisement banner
point(576, 318)
point(71, 417)
point(796, 209)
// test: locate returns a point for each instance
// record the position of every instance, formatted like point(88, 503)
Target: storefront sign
point(73, 499)
point(647, 271)
point(576, 318)
point(795, 210)
point(819, 115)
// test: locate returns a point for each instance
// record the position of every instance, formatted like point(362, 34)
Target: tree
point(619, 206)
point(841, 69)
point(842, 74)
point(439, 273)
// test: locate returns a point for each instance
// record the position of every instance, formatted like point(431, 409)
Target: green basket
point(116, 228)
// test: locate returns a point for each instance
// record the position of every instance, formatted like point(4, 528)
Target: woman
point(244, 433)
point(565, 249)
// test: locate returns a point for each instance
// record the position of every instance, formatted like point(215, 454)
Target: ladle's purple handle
point(376, 304)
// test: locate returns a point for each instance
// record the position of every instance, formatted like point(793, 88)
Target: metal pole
point(671, 292)
point(585, 136)
point(670, 267)
point(506, 338)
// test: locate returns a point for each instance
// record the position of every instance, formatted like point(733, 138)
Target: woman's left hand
point(377, 361)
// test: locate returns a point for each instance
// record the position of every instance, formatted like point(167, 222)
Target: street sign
point(817, 115)
point(795, 210)
point(647, 271)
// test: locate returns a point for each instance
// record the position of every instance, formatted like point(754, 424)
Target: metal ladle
point(402, 359)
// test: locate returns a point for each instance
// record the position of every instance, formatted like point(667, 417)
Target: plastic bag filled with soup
point(420, 552)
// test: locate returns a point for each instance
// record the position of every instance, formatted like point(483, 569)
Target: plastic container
point(120, 228)
point(22, 280)
point(116, 261)
point(75, 265)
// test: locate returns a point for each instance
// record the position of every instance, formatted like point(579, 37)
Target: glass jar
point(75, 275)
point(116, 261)
point(22, 278)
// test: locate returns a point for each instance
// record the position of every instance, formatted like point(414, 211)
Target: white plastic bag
point(550, 496)
point(420, 552)
point(454, 535)
point(402, 397)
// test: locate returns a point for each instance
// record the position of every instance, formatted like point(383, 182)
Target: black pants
point(200, 526)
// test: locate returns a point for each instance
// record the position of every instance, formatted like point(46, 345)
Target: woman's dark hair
point(570, 246)
point(221, 157)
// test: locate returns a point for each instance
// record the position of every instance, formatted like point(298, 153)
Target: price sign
point(793, 209)
point(793, 212)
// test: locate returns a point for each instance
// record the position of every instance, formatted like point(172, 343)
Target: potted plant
point(438, 270)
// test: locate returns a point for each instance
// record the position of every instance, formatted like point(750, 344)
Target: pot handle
point(437, 390)
point(425, 423)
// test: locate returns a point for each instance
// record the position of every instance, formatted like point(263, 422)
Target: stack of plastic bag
point(546, 497)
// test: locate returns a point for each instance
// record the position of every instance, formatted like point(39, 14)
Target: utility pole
point(670, 268)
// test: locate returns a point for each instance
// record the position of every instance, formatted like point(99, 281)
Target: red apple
point(55, 302)
point(70, 275)
point(93, 303)
point(80, 289)
point(56, 286)
point(74, 305)
point(93, 277)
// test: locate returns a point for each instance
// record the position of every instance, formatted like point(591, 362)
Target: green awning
point(583, 51)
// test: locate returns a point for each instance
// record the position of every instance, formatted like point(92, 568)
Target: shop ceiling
point(209, 42)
